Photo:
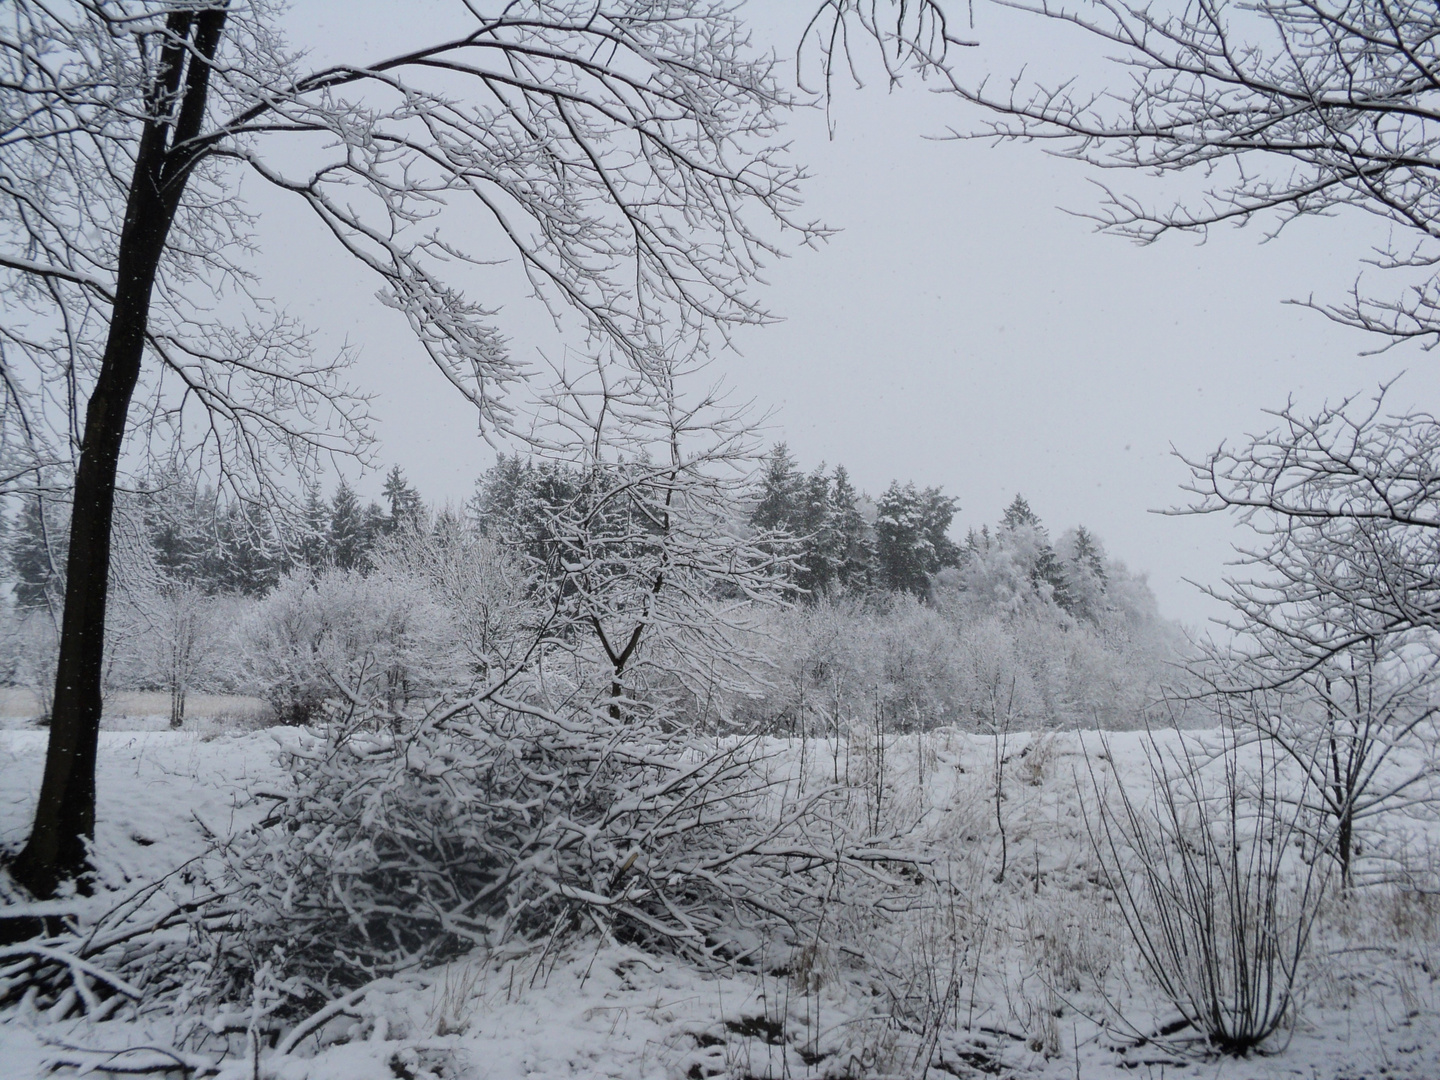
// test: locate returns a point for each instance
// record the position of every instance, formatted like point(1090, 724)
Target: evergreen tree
point(347, 528)
point(37, 550)
point(312, 544)
point(1018, 515)
point(374, 523)
point(1048, 575)
point(204, 543)
point(910, 536)
point(1051, 571)
point(780, 488)
point(177, 521)
point(976, 543)
point(1085, 569)
point(406, 509)
point(1086, 553)
point(497, 494)
point(518, 504)
point(854, 544)
point(820, 515)
point(250, 561)
point(813, 523)
point(832, 546)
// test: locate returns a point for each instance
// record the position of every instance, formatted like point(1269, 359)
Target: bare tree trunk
point(177, 704)
point(1345, 844)
point(65, 813)
point(1342, 801)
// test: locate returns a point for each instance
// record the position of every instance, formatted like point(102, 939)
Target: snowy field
point(1034, 972)
point(140, 710)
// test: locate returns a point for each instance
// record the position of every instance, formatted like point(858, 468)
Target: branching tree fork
point(648, 563)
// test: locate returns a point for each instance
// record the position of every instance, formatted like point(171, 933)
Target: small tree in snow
point(648, 561)
point(1336, 655)
point(175, 637)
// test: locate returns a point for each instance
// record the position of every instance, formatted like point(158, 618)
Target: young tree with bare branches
point(1336, 649)
point(646, 565)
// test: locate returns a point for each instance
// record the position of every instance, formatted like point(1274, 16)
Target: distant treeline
point(831, 539)
point(900, 543)
point(891, 622)
point(197, 538)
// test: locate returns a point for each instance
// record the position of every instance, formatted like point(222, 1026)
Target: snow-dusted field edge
point(1049, 983)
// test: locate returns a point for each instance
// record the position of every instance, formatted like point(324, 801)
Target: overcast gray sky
point(962, 329)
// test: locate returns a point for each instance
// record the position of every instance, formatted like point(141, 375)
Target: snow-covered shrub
point(837, 662)
point(1213, 880)
point(824, 662)
point(343, 634)
point(482, 586)
point(1106, 662)
point(999, 688)
point(410, 839)
point(921, 677)
point(960, 656)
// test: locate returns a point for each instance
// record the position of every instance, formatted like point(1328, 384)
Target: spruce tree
point(910, 536)
point(812, 521)
point(374, 523)
point(37, 552)
point(780, 487)
point(1050, 570)
point(347, 528)
point(517, 503)
point(176, 519)
point(493, 509)
point(250, 560)
point(406, 508)
point(1047, 571)
point(1086, 554)
point(311, 542)
point(1086, 570)
point(1018, 515)
point(854, 544)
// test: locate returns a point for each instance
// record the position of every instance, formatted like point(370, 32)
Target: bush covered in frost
point(409, 839)
point(341, 633)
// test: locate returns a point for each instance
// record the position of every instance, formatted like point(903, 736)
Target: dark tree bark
point(166, 156)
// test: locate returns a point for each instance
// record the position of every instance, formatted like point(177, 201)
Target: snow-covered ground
point(1035, 971)
point(145, 710)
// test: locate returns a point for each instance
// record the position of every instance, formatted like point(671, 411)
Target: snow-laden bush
point(409, 839)
point(955, 660)
point(343, 634)
point(481, 586)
